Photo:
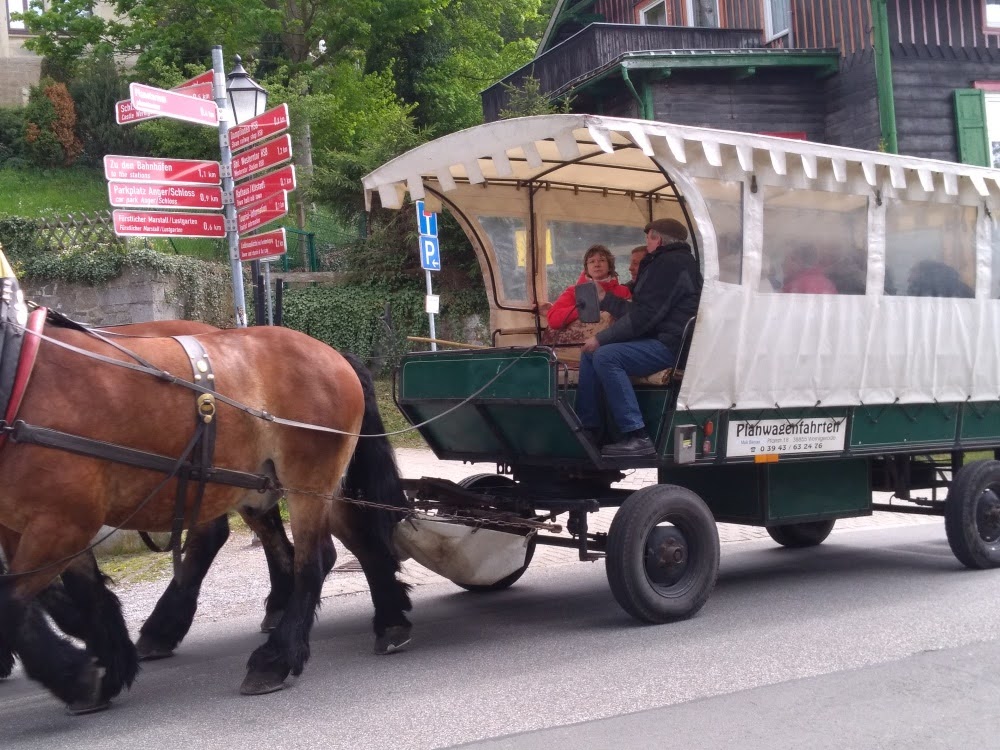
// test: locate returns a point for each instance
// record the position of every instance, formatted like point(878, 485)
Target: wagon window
point(569, 240)
point(508, 236)
point(814, 242)
point(725, 206)
point(930, 249)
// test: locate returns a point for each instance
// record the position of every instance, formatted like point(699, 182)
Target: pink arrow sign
point(199, 86)
point(267, 155)
point(263, 245)
point(173, 104)
point(140, 169)
point(167, 224)
point(163, 195)
point(263, 126)
point(262, 213)
point(264, 186)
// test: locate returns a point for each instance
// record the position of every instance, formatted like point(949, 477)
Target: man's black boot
point(635, 445)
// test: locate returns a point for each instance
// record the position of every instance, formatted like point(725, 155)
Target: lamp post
point(240, 98)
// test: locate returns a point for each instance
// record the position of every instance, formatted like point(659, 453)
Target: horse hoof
point(81, 708)
point(395, 638)
point(149, 650)
point(261, 683)
point(90, 700)
point(271, 620)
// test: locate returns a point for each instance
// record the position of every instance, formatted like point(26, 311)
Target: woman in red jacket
point(599, 266)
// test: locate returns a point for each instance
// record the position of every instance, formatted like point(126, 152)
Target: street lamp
point(247, 98)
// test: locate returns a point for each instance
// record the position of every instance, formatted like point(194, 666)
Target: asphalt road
point(877, 639)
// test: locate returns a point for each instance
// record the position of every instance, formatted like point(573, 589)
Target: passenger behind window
point(932, 278)
point(598, 266)
point(804, 273)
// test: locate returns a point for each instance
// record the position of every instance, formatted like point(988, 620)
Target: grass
point(393, 418)
point(34, 192)
point(136, 567)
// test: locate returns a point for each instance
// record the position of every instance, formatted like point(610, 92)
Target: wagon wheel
point(487, 482)
point(663, 554)
point(807, 534)
point(972, 515)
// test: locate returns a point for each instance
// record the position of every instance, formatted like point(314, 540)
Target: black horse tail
point(373, 474)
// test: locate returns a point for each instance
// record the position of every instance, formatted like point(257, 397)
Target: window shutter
point(970, 121)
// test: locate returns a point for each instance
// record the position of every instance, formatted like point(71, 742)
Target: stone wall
point(135, 297)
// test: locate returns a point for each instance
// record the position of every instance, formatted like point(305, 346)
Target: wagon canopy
point(834, 276)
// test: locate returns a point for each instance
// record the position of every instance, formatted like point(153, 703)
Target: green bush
point(171, 139)
point(11, 132)
point(18, 237)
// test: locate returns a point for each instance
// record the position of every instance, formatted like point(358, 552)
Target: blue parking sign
point(427, 222)
point(430, 253)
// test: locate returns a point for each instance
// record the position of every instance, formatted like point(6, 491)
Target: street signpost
point(200, 86)
point(265, 156)
point(168, 224)
point(263, 126)
point(262, 213)
point(163, 195)
point(173, 104)
point(144, 169)
point(266, 245)
point(430, 260)
point(259, 188)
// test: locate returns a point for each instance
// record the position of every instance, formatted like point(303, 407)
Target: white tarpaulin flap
point(753, 350)
point(463, 554)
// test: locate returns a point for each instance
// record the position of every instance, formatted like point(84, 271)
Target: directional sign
point(173, 104)
point(263, 245)
point(142, 169)
point(168, 224)
point(427, 221)
point(199, 86)
point(263, 126)
point(267, 155)
point(430, 253)
point(262, 187)
point(163, 195)
point(262, 213)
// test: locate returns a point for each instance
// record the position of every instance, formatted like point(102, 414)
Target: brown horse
point(56, 501)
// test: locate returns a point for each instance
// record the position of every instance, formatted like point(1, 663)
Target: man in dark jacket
point(645, 337)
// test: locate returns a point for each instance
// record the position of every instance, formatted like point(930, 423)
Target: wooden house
point(918, 77)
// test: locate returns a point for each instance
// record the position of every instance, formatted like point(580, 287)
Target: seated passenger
point(804, 274)
point(637, 254)
point(598, 266)
point(932, 278)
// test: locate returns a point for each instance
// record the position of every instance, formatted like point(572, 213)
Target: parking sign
point(430, 253)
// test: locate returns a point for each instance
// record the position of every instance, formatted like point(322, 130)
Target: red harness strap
point(25, 364)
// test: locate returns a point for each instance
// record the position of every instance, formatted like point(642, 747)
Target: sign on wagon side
point(263, 126)
point(266, 245)
point(262, 213)
point(143, 169)
point(173, 104)
point(259, 188)
point(168, 224)
point(163, 195)
point(267, 155)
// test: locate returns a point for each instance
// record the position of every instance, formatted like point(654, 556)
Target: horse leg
point(279, 553)
point(8, 544)
point(106, 633)
point(287, 648)
point(69, 673)
point(174, 612)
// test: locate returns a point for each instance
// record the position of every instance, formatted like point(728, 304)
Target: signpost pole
point(267, 292)
point(229, 208)
point(430, 315)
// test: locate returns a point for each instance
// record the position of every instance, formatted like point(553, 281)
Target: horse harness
point(193, 465)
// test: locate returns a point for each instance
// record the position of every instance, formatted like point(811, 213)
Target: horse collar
point(22, 350)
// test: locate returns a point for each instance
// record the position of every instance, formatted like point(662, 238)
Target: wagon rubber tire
point(972, 515)
point(798, 535)
point(659, 573)
point(485, 482)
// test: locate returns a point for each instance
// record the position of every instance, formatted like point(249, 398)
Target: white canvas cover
point(752, 348)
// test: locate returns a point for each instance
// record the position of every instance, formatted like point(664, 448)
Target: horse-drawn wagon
point(797, 401)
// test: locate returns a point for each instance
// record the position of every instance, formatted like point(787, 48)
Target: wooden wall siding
point(600, 44)
point(834, 23)
point(616, 11)
point(940, 23)
point(852, 118)
point(741, 14)
point(771, 101)
point(925, 109)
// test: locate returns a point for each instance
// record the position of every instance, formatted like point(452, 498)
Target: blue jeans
point(608, 370)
